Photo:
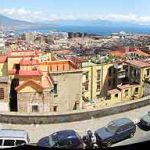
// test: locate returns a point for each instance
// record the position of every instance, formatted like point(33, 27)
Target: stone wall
point(18, 118)
point(27, 100)
point(69, 90)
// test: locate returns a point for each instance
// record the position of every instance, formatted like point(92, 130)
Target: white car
point(13, 138)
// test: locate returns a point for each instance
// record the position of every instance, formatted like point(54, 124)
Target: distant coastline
point(100, 30)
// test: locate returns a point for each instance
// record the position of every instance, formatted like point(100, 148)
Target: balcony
point(121, 74)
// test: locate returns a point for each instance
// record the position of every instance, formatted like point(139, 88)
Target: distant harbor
point(90, 29)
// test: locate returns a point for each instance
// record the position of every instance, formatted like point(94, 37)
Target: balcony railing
point(121, 75)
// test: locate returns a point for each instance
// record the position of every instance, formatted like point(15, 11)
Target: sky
point(51, 10)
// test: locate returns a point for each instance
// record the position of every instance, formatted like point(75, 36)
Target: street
point(139, 136)
point(36, 132)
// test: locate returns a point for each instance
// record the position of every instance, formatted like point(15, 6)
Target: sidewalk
point(38, 131)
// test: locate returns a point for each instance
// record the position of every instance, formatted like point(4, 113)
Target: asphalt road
point(36, 132)
point(140, 136)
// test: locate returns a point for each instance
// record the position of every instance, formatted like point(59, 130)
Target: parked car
point(116, 130)
point(62, 139)
point(145, 121)
point(12, 138)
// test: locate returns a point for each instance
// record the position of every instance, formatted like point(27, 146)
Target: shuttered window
point(1, 93)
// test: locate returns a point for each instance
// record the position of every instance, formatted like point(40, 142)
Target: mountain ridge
point(8, 23)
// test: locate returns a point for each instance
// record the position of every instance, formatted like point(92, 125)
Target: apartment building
point(4, 84)
point(114, 82)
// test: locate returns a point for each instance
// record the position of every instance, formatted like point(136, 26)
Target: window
point(116, 95)
point(148, 72)
point(63, 142)
point(55, 88)
point(35, 108)
point(9, 142)
point(86, 86)
point(55, 108)
point(136, 90)
point(126, 92)
point(1, 93)
point(119, 69)
point(109, 72)
point(98, 86)
point(20, 142)
point(98, 74)
point(87, 76)
point(1, 142)
point(17, 67)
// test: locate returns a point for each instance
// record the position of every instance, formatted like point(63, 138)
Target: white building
point(2, 42)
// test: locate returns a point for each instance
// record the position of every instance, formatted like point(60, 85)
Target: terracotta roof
point(138, 63)
point(38, 87)
point(79, 59)
point(3, 59)
point(124, 86)
point(26, 72)
point(122, 51)
point(117, 53)
point(65, 52)
point(114, 91)
point(29, 62)
point(47, 81)
point(25, 53)
point(142, 53)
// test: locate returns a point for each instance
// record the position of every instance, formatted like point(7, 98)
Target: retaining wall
point(17, 118)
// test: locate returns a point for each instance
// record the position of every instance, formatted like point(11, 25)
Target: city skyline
point(51, 10)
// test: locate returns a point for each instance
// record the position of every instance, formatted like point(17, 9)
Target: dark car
point(145, 121)
point(62, 139)
point(115, 131)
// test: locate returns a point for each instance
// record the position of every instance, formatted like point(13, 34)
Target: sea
point(98, 30)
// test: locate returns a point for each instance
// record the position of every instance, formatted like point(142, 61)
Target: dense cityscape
point(60, 72)
point(74, 75)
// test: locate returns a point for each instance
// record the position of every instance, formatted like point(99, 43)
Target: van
point(12, 138)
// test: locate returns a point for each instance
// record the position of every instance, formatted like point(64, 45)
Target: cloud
point(35, 16)
point(23, 14)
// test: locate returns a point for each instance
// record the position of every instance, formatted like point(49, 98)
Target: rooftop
point(60, 66)
point(3, 59)
point(121, 121)
point(124, 86)
point(138, 63)
point(25, 53)
point(28, 62)
point(114, 91)
point(26, 72)
point(37, 86)
point(13, 133)
point(65, 134)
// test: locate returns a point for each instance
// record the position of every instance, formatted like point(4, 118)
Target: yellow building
point(91, 81)
point(3, 66)
point(116, 82)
